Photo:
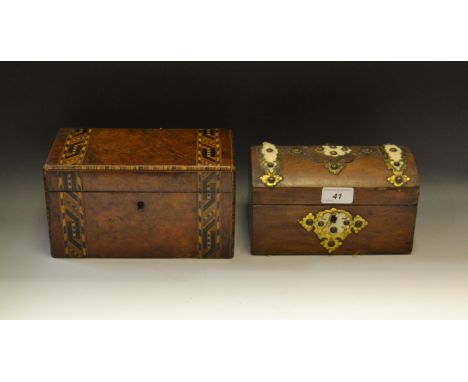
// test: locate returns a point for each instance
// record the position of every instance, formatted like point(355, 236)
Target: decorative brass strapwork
point(332, 226)
point(269, 162)
point(395, 159)
point(333, 157)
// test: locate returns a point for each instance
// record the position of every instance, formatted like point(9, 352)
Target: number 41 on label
point(335, 195)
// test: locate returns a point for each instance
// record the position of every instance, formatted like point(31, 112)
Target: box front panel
point(139, 225)
point(335, 230)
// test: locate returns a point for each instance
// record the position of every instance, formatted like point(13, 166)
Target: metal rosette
point(270, 164)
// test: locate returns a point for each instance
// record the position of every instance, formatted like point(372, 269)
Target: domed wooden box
point(328, 199)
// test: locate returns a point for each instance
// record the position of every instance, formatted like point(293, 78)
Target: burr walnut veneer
point(141, 193)
point(329, 199)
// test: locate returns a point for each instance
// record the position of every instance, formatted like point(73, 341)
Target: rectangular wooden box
point(133, 193)
point(289, 215)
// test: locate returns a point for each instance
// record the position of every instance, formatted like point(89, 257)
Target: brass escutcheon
point(332, 226)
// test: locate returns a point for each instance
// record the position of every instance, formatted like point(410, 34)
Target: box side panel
point(227, 219)
point(227, 148)
point(56, 231)
point(276, 230)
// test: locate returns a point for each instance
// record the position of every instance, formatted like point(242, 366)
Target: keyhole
point(141, 206)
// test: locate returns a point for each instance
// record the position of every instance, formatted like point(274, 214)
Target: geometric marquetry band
point(71, 195)
point(209, 196)
point(75, 146)
point(72, 214)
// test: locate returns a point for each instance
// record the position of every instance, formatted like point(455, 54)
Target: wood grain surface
point(274, 211)
point(136, 193)
point(276, 231)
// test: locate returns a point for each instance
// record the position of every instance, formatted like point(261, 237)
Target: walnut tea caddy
point(141, 193)
point(331, 199)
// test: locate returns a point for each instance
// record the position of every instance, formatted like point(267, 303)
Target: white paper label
point(337, 195)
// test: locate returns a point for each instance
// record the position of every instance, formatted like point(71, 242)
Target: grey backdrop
point(422, 105)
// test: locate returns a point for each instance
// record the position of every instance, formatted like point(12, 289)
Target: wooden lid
point(141, 150)
point(165, 160)
point(305, 170)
